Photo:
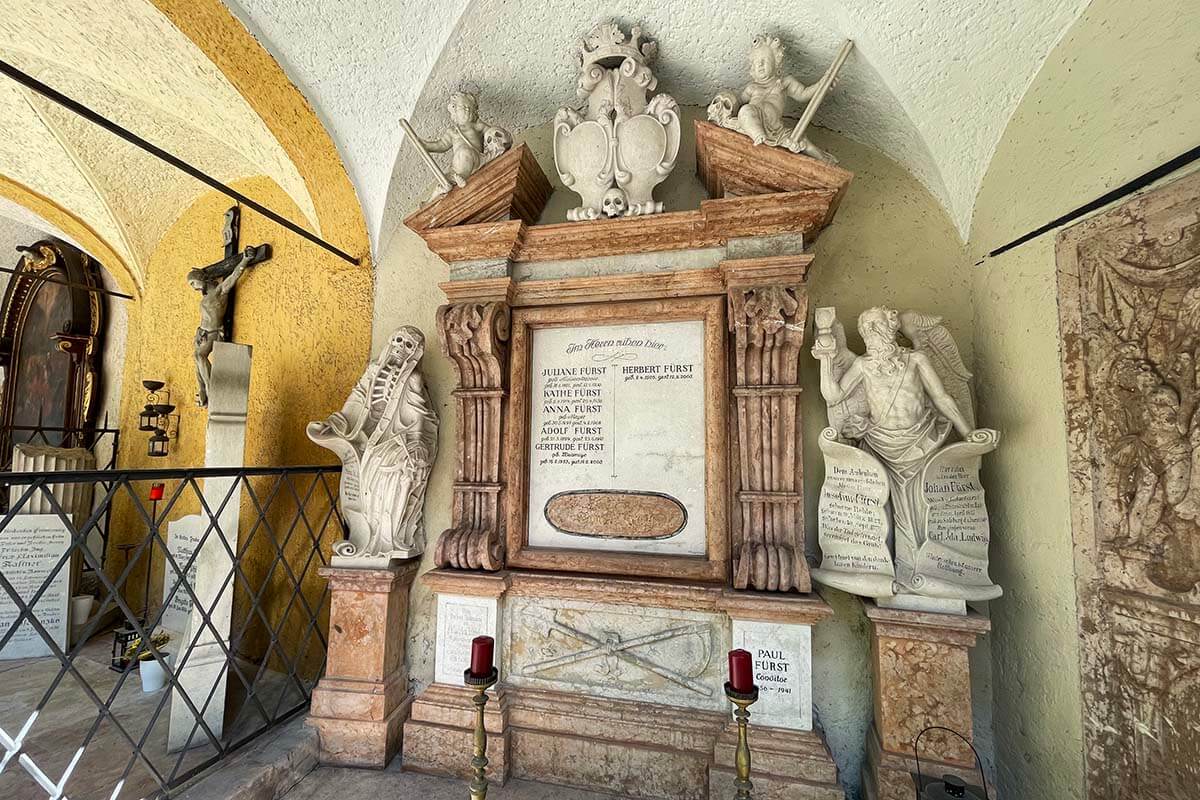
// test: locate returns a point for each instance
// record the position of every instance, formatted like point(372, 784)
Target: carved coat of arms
point(618, 146)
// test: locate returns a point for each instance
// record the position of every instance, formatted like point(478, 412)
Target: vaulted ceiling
point(932, 83)
point(125, 60)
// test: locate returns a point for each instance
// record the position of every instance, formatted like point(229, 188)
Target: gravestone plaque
point(183, 537)
point(617, 438)
point(459, 620)
point(30, 547)
point(782, 657)
point(853, 520)
point(955, 551)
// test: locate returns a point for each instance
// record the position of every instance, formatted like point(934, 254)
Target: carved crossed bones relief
point(612, 647)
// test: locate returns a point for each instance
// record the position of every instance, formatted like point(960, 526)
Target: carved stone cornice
point(474, 337)
point(768, 307)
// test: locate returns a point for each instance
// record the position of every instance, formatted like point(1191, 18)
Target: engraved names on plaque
point(617, 438)
point(853, 520)
point(460, 619)
point(32, 545)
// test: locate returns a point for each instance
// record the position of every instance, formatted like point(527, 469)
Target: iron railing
point(102, 442)
point(234, 585)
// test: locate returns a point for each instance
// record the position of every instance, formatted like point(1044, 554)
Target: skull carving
point(614, 204)
point(720, 110)
point(496, 142)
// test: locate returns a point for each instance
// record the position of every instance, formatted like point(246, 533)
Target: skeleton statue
point(619, 146)
point(891, 413)
point(757, 111)
point(471, 143)
point(216, 283)
point(386, 437)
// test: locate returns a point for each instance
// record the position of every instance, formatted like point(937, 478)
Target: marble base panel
point(439, 733)
point(786, 764)
point(359, 707)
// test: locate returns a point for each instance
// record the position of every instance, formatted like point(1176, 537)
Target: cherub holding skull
point(757, 110)
point(470, 142)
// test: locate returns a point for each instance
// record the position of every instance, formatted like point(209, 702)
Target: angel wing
point(929, 336)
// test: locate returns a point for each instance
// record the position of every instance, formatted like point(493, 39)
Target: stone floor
point(329, 783)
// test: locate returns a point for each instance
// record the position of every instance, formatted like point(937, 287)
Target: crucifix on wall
point(216, 284)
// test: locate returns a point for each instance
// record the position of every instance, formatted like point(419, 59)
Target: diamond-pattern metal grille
point(251, 648)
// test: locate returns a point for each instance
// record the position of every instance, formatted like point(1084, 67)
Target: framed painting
point(616, 439)
point(50, 331)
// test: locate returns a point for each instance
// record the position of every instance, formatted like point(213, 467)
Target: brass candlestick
point(479, 762)
point(743, 701)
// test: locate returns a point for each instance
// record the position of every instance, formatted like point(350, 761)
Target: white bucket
point(154, 677)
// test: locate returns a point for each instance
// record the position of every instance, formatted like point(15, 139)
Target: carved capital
point(475, 337)
point(767, 321)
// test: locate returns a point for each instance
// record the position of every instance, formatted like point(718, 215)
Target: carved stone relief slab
point(654, 655)
point(1129, 297)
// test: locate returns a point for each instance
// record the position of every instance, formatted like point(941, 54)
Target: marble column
point(358, 708)
point(205, 674)
point(922, 678)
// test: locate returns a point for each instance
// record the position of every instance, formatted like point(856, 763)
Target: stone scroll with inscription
point(952, 561)
point(854, 521)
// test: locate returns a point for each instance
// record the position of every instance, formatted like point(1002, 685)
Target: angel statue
point(386, 437)
point(890, 474)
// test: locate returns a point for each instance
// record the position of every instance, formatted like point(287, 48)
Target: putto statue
point(470, 142)
point(890, 476)
point(758, 109)
point(386, 436)
point(614, 150)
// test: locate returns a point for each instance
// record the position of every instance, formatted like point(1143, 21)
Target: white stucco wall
point(1115, 99)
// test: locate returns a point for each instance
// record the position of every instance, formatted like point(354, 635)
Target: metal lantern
point(158, 444)
point(950, 787)
point(122, 638)
point(148, 419)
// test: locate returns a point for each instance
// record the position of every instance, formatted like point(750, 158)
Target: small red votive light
point(483, 650)
point(156, 491)
point(741, 671)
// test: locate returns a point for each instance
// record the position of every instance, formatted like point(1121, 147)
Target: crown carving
point(608, 45)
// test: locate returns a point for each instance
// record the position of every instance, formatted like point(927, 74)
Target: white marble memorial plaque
point(617, 438)
point(953, 559)
point(852, 520)
point(183, 536)
point(30, 547)
point(459, 620)
point(782, 657)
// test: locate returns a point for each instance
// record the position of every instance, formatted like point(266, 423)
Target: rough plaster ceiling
point(125, 60)
point(933, 82)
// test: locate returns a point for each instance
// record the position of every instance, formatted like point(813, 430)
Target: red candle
point(156, 491)
point(482, 652)
point(741, 671)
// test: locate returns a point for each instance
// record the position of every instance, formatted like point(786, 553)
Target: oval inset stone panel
point(615, 514)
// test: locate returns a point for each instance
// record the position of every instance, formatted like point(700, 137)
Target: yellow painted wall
point(307, 316)
point(891, 243)
point(1116, 98)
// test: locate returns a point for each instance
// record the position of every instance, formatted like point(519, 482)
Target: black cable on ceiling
point(33, 84)
point(1128, 188)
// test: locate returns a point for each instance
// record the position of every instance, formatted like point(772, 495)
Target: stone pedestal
point(358, 708)
point(922, 678)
